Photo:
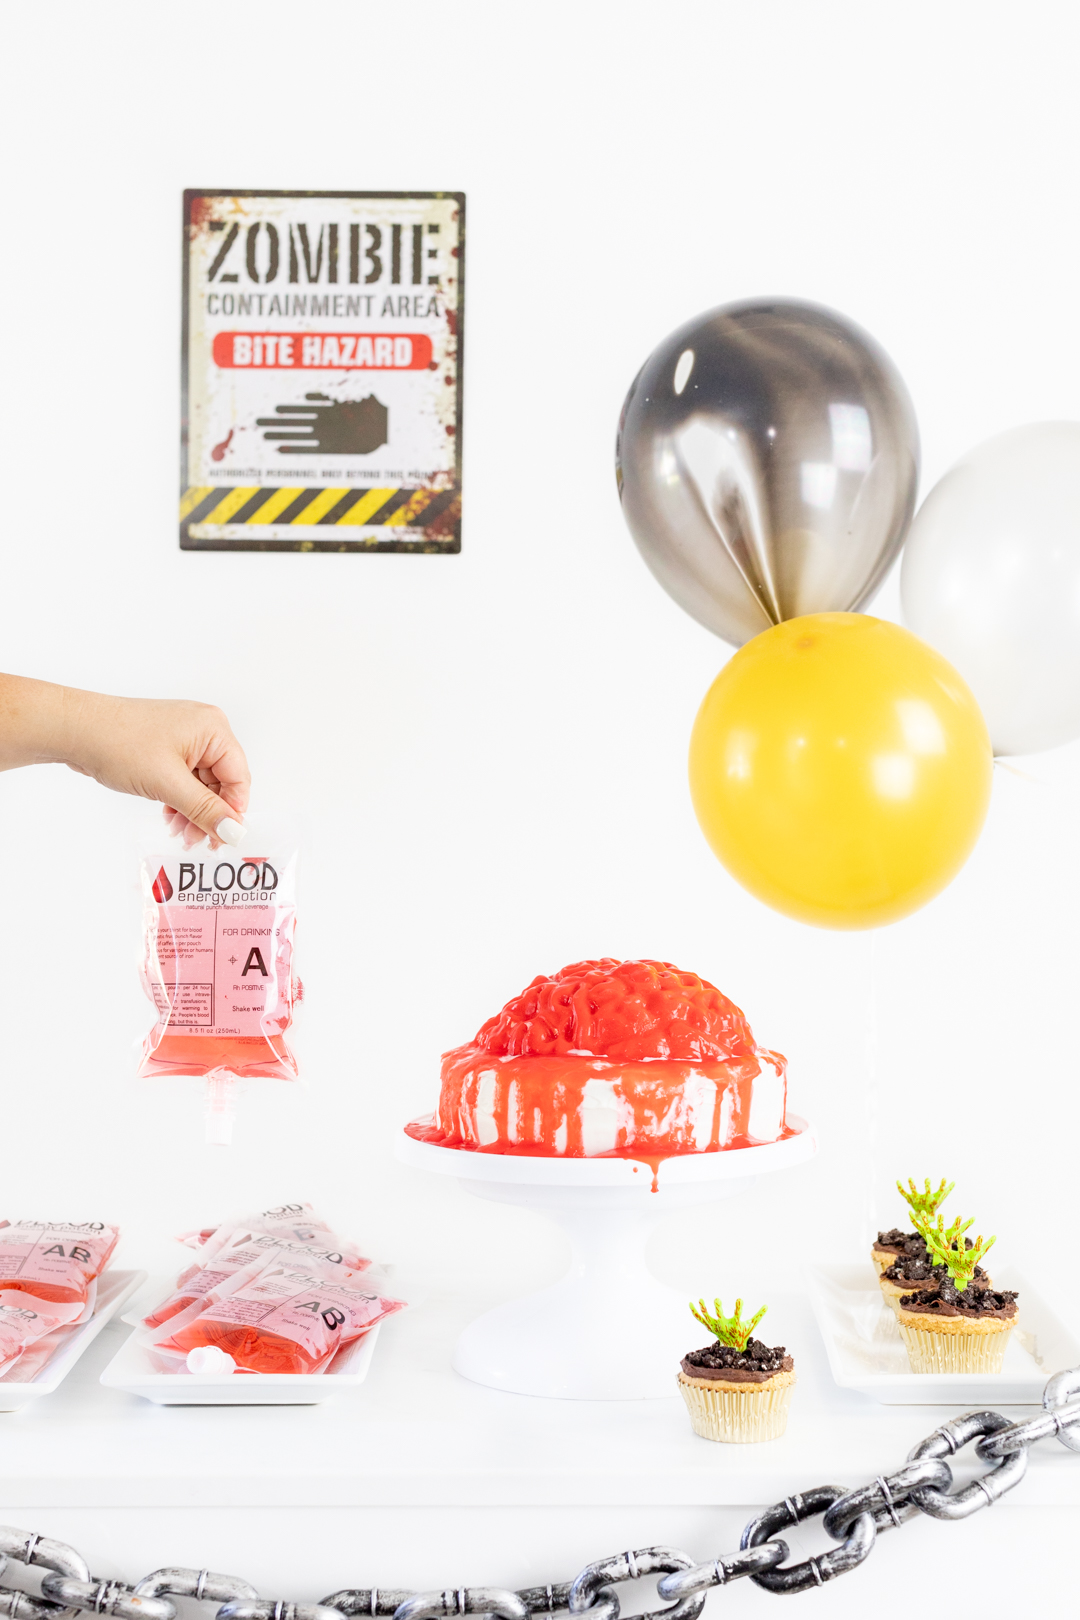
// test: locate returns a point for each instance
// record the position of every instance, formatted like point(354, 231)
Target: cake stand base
point(609, 1330)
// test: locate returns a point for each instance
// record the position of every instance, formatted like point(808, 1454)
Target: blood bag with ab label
point(218, 942)
point(243, 1250)
point(279, 1318)
point(56, 1261)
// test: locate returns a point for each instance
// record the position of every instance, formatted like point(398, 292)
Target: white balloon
point(991, 578)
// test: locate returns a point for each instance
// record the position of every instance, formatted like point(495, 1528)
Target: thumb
point(208, 810)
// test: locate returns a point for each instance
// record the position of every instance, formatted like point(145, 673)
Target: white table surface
point(418, 1435)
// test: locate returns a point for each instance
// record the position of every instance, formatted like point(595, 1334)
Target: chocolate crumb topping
point(905, 1243)
point(947, 1300)
point(917, 1270)
point(753, 1365)
point(901, 1241)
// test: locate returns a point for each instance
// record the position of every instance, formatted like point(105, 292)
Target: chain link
point(27, 1548)
point(722, 1570)
point(370, 1600)
point(201, 1584)
point(858, 1540)
point(982, 1492)
point(19, 1606)
point(852, 1518)
point(1018, 1436)
point(546, 1599)
point(596, 1580)
point(1056, 1395)
point(887, 1498)
point(105, 1597)
point(265, 1609)
point(465, 1600)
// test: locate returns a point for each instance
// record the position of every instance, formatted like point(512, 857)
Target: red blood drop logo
point(162, 889)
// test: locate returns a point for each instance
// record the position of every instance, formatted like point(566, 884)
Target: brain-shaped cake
point(609, 1057)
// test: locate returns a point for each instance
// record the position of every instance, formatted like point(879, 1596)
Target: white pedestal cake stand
point(609, 1330)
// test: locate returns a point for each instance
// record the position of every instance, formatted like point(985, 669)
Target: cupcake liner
point(738, 1415)
point(892, 1295)
point(937, 1352)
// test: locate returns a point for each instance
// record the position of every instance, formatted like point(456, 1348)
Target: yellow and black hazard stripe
point(429, 518)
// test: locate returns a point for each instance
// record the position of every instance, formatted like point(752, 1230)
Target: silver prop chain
point(852, 1518)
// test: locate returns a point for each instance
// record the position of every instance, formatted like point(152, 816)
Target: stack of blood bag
point(273, 1303)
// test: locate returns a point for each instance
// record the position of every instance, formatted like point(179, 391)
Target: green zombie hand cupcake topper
point(899, 1256)
point(923, 1206)
point(947, 1248)
point(730, 1330)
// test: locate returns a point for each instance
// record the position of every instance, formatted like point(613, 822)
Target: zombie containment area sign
point(322, 356)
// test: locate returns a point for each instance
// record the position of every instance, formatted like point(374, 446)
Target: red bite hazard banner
point(323, 351)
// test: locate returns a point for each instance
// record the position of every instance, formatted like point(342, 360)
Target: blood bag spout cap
point(220, 1107)
point(210, 1360)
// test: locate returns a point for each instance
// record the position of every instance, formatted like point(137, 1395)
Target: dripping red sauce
point(426, 1130)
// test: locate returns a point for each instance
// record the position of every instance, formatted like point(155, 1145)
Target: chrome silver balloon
point(767, 461)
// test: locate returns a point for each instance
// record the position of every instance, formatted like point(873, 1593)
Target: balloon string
point(872, 1098)
point(1026, 776)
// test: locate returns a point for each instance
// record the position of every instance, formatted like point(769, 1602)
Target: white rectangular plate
point(132, 1369)
point(115, 1288)
point(866, 1352)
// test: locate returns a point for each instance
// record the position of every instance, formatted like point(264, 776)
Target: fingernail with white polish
point(229, 831)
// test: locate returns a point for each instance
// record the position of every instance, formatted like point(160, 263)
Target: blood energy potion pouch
point(242, 1251)
point(218, 937)
point(57, 1261)
point(281, 1318)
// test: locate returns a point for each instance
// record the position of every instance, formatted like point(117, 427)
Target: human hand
point(183, 754)
point(330, 427)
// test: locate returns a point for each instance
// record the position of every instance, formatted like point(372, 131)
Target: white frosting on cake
point(767, 1105)
point(602, 1112)
point(484, 1124)
point(605, 1114)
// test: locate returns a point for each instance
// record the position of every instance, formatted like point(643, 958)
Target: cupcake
point(956, 1326)
point(915, 1272)
point(736, 1389)
point(947, 1330)
point(896, 1243)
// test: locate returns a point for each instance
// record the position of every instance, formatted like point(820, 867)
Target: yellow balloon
point(840, 769)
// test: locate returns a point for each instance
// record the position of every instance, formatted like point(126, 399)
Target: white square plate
point(114, 1289)
point(866, 1352)
point(132, 1369)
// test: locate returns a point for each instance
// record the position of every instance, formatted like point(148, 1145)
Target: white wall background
point(488, 750)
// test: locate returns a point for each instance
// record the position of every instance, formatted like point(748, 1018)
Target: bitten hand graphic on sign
point(325, 426)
